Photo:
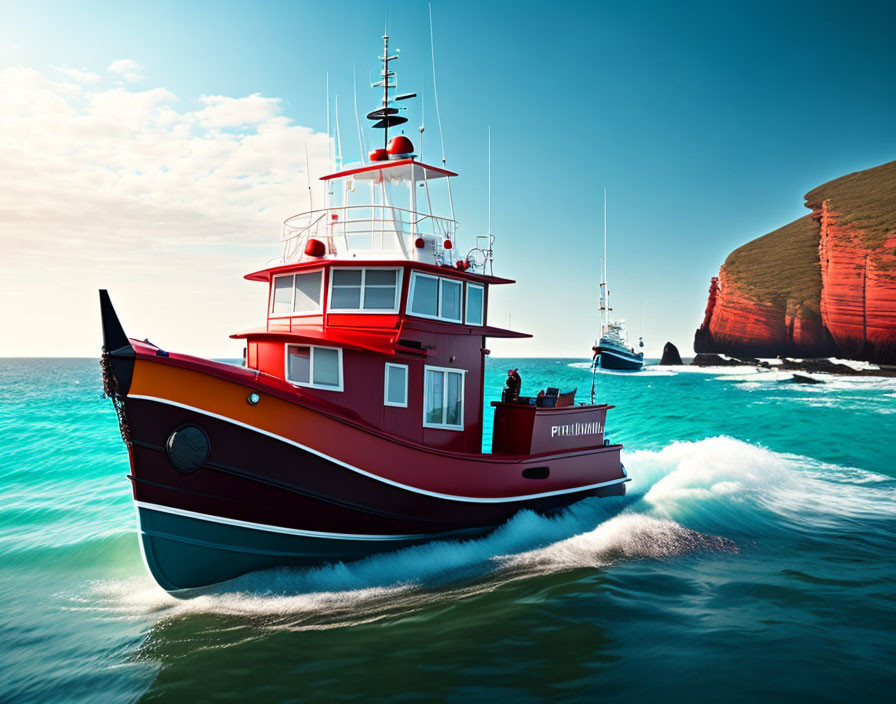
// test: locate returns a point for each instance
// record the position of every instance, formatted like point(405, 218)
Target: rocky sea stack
point(823, 285)
point(671, 355)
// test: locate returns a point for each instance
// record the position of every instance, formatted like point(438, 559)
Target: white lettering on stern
point(576, 429)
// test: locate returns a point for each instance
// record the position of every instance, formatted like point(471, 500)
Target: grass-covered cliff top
point(780, 266)
point(865, 199)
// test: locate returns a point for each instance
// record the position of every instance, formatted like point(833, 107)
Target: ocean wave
point(630, 536)
point(711, 495)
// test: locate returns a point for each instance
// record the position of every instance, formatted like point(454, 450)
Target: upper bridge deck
point(395, 209)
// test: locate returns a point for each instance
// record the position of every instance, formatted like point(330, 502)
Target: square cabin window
point(325, 370)
point(306, 297)
point(346, 293)
point(425, 295)
point(365, 290)
point(450, 295)
point(443, 398)
point(380, 289)
point(316, 367)
point(395, 392)
point(299, 293)
point(282, 303)
point(298, 364)
point(474, 309)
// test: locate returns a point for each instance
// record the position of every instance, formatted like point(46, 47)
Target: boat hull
point(279, 483)
point(615, 357)
point(187, 550)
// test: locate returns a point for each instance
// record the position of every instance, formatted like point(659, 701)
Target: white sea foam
point(686, 497)
point(751, 373)
point(630, 536)
point(580, 365)
point(649, 370)
point(727, 479)
point(828, 382)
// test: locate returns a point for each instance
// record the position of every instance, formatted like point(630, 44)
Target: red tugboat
point(355, 424)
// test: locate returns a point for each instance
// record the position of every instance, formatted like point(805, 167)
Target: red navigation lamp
point(448, 244)
point(419, 243)
point(378, 155)
point(400, 147)
point(315, 248)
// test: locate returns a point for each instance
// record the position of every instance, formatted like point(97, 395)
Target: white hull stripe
point(371, 475)
point(278, 529)
point(628, 356)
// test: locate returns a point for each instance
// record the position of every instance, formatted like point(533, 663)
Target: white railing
point(375, 230)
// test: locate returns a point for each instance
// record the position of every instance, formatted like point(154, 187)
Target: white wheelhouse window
point(355, 290)
point(395, 391)
point(443, 398)
point(315, 367)
point(474, 311)
point(297, 294)
point(435, 297)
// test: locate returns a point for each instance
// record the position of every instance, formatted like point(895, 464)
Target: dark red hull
point(253, 477)
point(281, 482)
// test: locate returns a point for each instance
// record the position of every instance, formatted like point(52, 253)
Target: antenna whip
point(357, 116)
point(338, 137)
point(329, 146)
point(308, 174)
point(435, 91)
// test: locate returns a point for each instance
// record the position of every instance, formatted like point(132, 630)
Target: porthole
point(187, 448)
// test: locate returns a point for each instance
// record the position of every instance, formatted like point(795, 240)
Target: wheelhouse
point(400, 345)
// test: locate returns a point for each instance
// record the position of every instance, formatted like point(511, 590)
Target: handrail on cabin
point(338, 224)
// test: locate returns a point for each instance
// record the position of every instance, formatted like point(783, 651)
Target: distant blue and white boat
point(612, 351)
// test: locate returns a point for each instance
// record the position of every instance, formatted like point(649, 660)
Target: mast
point(604, 288)
point(386, 74)
point(387, 115)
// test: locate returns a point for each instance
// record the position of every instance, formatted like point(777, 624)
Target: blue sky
point(706, 122)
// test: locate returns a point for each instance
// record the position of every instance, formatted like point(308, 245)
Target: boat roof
point(367, 340)
point(382, 341)
point(406, 169)
point(270, 272)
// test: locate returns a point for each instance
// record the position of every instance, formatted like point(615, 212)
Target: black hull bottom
point(620, 361)
point(187, 551)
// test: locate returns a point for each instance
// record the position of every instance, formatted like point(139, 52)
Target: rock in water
point(823, 366)
point(670, 355)
point(704, 359)
point(800, 379)
point(824, 285)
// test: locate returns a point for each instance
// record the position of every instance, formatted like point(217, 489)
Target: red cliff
point(823, 285)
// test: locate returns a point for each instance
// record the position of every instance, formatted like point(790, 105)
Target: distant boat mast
point(604, 289)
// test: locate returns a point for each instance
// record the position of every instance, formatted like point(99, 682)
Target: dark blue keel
point(185, 550)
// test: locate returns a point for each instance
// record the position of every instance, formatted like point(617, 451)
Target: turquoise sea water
point(754, 557)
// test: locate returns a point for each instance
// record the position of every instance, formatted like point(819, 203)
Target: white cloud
point(234, 112)
point(128, 69)
point(110, 187)
point(78, 75)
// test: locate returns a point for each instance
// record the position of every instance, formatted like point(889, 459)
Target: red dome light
point(419, 243)
point(400, 146)
point(315, 248)
point(448, 244)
